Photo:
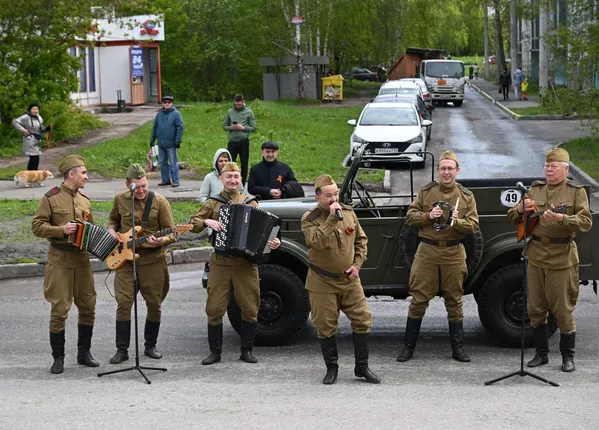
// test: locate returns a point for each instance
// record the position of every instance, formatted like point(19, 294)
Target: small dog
point(32, 177)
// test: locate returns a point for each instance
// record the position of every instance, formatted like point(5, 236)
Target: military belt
point(67, 248)
point(146, 251)
point(546, 240)
point(440, 243)
point(326, 272)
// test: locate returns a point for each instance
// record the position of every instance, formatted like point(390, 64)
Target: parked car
point(364, 75)
point(426, 95)
point(400, 87)
point(390, 128)
point(425, 111)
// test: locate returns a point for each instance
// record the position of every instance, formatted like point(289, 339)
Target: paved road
point(488, 143)
point(283, 389)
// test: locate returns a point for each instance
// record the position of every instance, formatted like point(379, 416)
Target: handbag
point(499, 90)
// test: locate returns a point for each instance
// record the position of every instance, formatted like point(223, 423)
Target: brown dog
point(32, 177)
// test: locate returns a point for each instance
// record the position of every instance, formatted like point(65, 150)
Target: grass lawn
point(584, 152)
point(312, 140)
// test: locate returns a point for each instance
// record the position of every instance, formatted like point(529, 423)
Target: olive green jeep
point(495, 265)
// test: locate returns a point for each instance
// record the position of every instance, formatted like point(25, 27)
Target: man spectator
point(505, 80)
point(270, 179)
point(168, 129)
point(239, 123)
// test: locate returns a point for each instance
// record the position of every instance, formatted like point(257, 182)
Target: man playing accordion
point(68, 272)
point(227, 271)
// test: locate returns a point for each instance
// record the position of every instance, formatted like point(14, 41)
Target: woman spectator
point(211, 184)
point(31, 126)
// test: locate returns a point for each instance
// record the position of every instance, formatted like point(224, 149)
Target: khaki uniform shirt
point(59, 206)
point(210, 210)
point(334, 246)
point(160, 218)
point(577, 219)
point(467, 222)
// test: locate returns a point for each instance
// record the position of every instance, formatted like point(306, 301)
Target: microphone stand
point(135, 291)
point(522, 372)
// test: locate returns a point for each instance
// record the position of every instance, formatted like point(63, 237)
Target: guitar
point(533, 219)
point(124, 252)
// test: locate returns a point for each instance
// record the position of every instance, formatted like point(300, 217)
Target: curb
point(582, 176)
point(177, 256)
point(518, 117)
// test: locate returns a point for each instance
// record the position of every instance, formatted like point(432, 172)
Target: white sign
point(297, 20)
point(510, 197)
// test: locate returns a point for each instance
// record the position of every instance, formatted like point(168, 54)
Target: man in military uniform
point(152, 271)
point(337, 251)
point(227, 271)
point(440, 261)
point(68, 274)
point(553, 255)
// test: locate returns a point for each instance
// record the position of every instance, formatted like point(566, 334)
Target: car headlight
point(417, 139)
point(358, 139)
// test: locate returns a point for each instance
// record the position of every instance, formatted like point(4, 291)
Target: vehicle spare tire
point(284, 306)
point(409, 241)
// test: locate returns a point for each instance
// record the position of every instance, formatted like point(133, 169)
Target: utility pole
point(487, 65)
point(513, 35)
point(543, 52)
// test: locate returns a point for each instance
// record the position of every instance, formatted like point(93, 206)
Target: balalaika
point(94, 239)
point(246, 232)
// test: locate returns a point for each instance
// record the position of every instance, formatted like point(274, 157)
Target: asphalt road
point(283, 389)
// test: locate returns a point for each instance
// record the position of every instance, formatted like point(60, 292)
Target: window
point(153, 52)
point(91, 64)
point(82, 72)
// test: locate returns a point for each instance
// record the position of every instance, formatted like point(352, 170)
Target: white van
point(445, 79)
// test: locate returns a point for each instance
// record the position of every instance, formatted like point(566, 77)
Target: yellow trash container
point(332, 88)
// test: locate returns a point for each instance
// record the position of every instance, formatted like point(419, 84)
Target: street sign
point(296, 20)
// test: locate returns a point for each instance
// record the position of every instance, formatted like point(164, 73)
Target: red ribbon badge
point(349, 230)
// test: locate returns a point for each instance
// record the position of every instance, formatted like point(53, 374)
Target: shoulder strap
point(220, 198)
point(146, 215)
point(464, 189)
point(248, 199)
point(429, 186)
point(53, 191)
point(538, 183)
point(574, 184)
point(313, 214)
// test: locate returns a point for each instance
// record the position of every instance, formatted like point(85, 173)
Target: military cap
point(230, 167)
point(135, 171)
point(448, 155)
point(323, 181)
point(70, 162)
point(270, 145)
point(557, 154)
point(164, 98)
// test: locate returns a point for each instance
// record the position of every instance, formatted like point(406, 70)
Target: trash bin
point(120, 104)
point(332, 88)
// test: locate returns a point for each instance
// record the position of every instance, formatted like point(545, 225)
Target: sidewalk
point(491, 91)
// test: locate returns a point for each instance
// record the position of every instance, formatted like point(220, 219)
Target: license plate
point(441, 82)
point(386, 150)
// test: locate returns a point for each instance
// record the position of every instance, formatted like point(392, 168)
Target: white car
point(400, 87)
point(426, 95)
point(390, 129)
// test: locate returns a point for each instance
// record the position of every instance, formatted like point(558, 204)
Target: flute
point(455, 209)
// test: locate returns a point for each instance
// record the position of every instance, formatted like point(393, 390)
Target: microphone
point(339, 214)
point(132, 188)
point(521, 187)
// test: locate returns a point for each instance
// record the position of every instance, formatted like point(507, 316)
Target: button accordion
point(94, 239)
point(246, 232)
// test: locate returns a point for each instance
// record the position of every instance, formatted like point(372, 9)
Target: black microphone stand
point(522, 372)
point(135, 291)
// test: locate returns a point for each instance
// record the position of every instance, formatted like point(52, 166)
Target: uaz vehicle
point(495, 268)
point(446, 80)
point(390, 128)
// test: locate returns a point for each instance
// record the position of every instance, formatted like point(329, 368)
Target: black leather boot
point(248, 333)
point(541, 341)
point(456, 335)
point(84, 343)
point(123, 337)
point(361, 353)
point(57, 344)
point(410, 338)
point(328, 345)
point(215, 341)
point(567, 343)
point(151, 337)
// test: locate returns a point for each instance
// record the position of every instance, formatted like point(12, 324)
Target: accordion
point(246, 232)
point(94, 239)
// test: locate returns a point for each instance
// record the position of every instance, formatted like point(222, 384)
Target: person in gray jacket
point(518, 78)
point(31, 126)
point(239, 123)
point(168, 129)
point(212, 184)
